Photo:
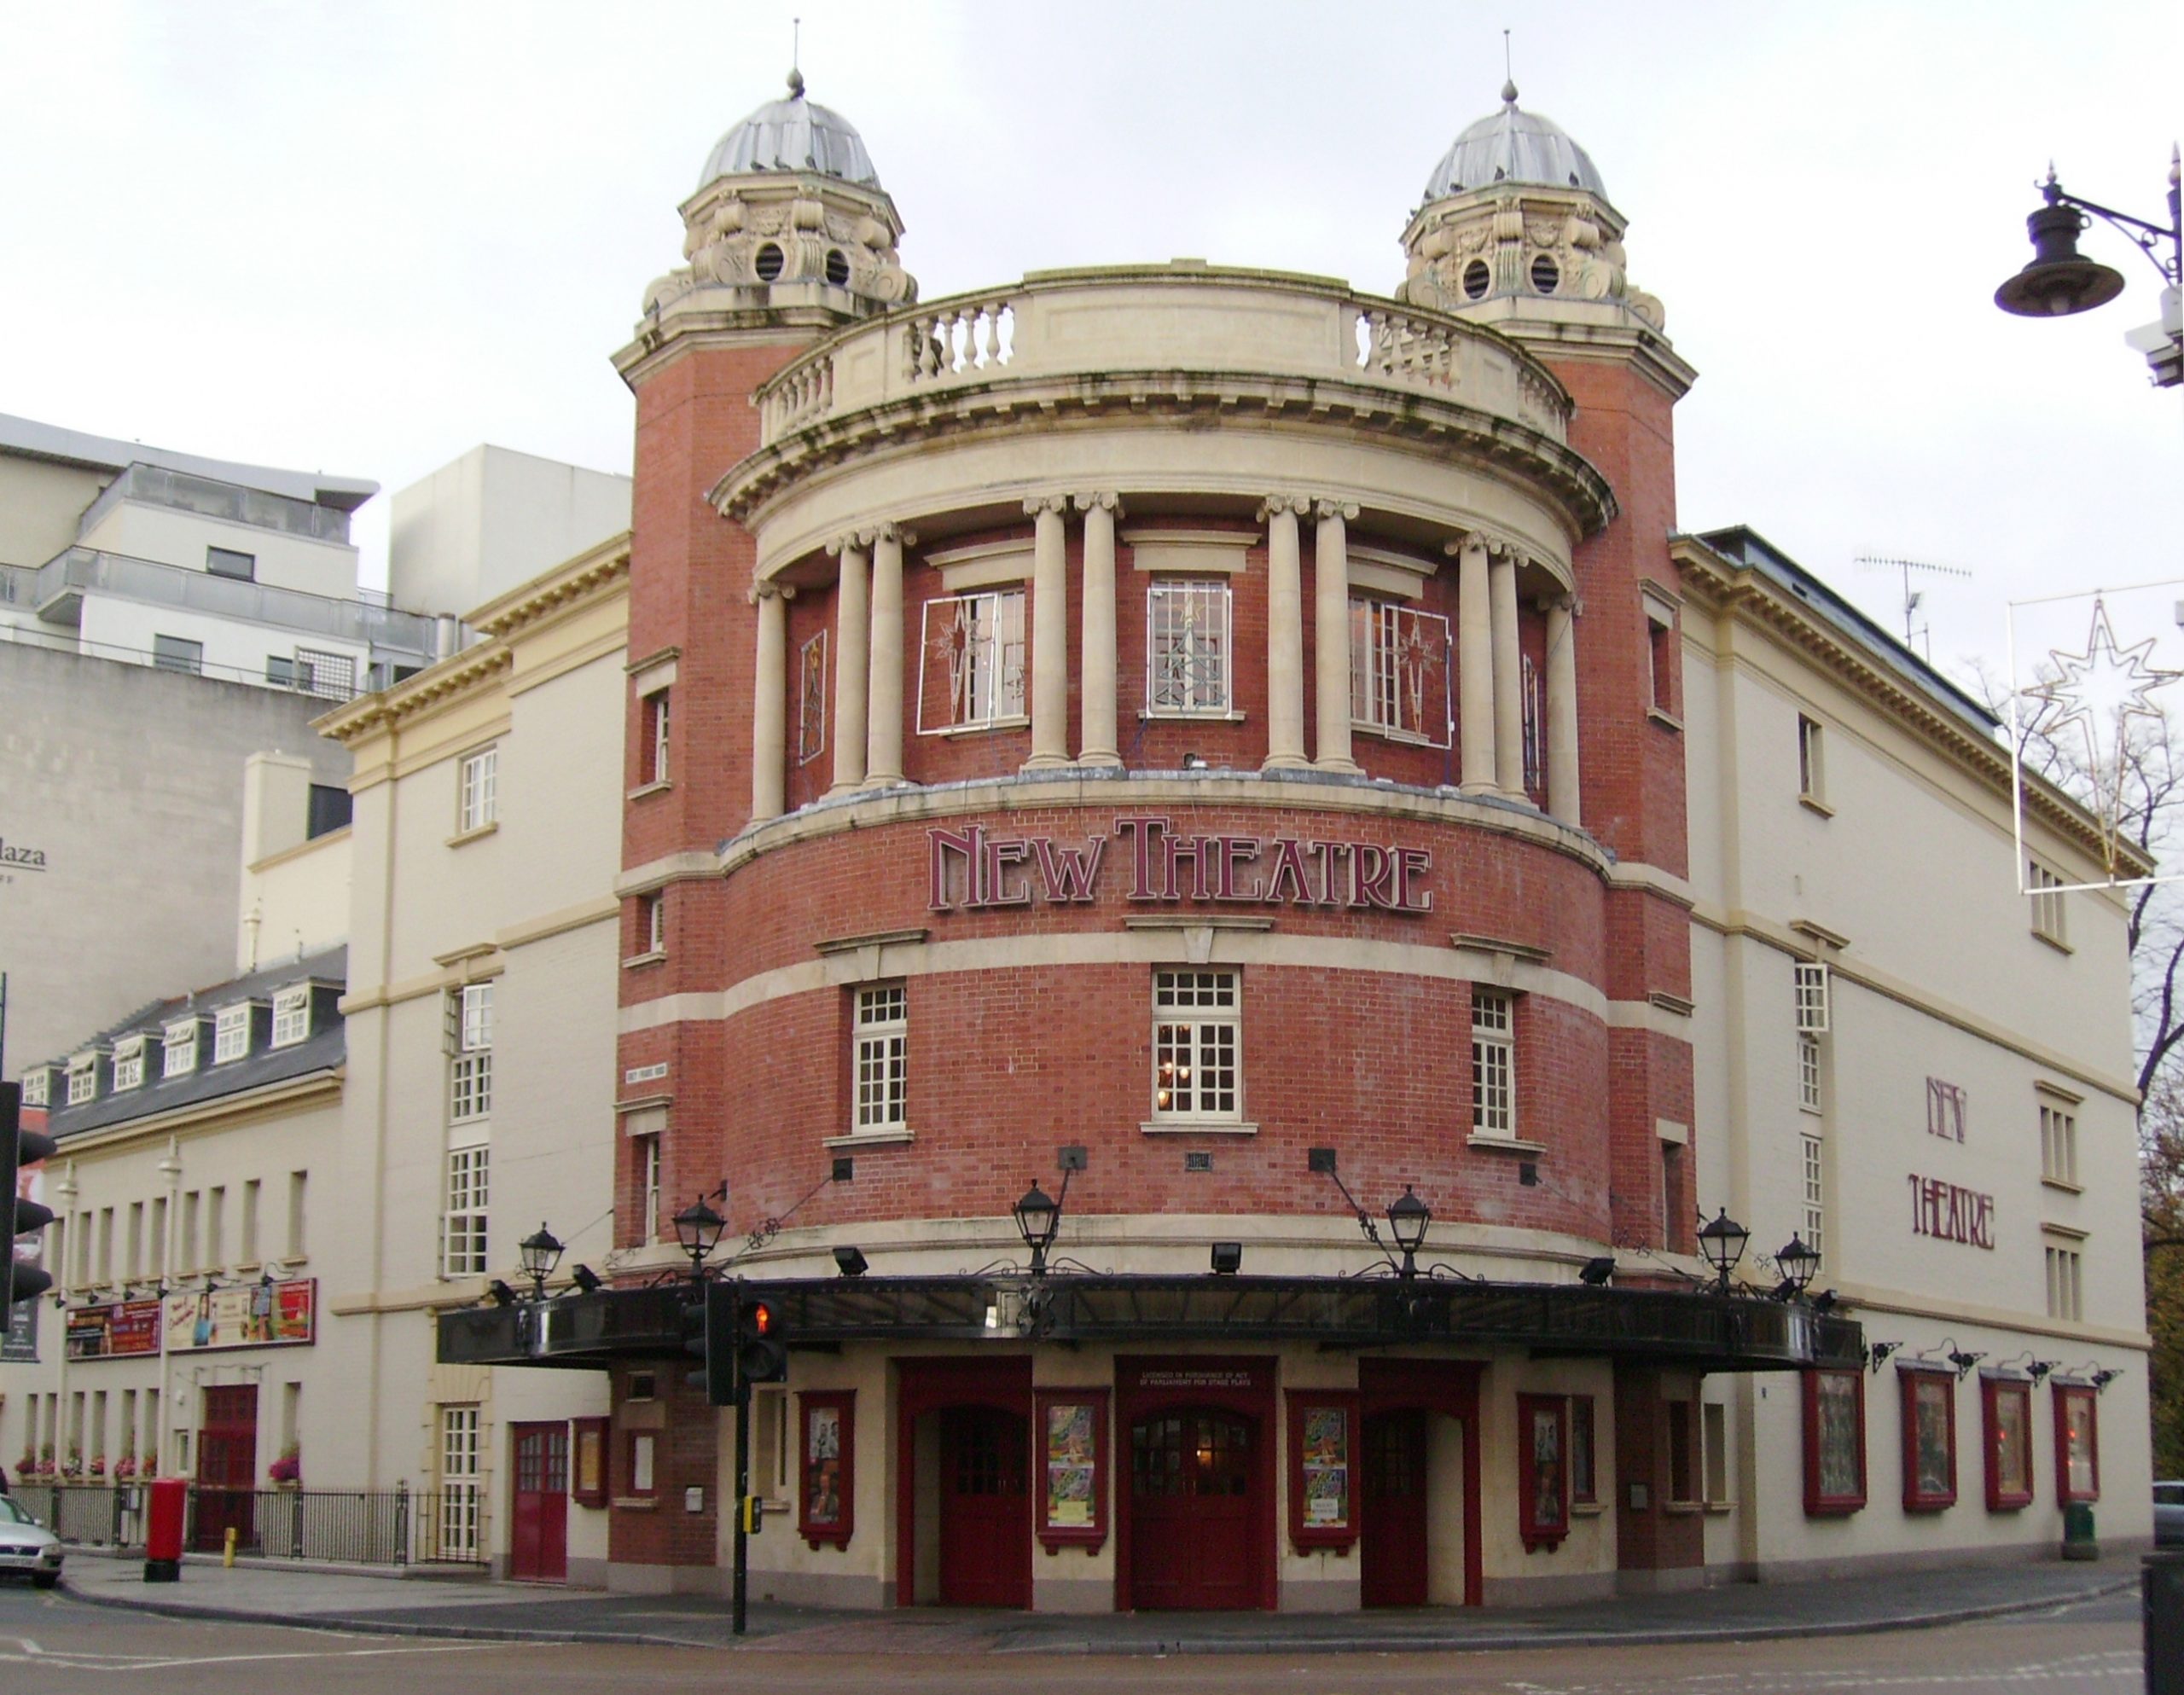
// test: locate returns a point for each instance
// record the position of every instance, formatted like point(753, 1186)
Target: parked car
point(26, 1546)
point(2169, 1515)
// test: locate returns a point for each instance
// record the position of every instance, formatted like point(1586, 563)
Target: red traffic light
point(758, 1320)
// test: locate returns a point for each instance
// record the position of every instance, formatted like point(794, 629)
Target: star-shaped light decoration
point(2100, 691)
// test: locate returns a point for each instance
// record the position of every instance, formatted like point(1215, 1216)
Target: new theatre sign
point(970, 871)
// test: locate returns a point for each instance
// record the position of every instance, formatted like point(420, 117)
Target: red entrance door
point(1392, 1517)
point(1192, 1514)
point(538, 1533)
point(985, 1512)
point(227, 1467)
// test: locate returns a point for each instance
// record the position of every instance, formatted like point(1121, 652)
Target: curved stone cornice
point(1007, 406)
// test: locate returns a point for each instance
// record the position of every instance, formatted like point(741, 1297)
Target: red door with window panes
point(985, 1508)
point(227, 1467)
point(538, 1532)
point(1194, 1525)
point(1392, 1520)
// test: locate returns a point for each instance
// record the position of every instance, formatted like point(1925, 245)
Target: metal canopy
point(1702, 1332)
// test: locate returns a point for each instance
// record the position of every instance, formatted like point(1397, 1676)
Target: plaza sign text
point(970, 870)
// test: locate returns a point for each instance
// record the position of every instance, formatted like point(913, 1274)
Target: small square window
point(38, 1086)
point(174, 654)
point(230, 1034)
point(882, 1059)
point(480, 801)
point(129, 1063)
point(291, 1016)
point(82, 1081)
point(181, 1049)
point(226, 562)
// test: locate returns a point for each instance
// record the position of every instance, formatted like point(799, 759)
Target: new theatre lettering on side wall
point(970, 870)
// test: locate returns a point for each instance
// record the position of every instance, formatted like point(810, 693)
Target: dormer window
point(38, 1086)
point(181, 1049)
point(129, 1063)
point(231, 1034)
point(291, 1016)
point(82, 1079)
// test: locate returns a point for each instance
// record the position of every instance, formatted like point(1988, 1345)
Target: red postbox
point(163, 1526)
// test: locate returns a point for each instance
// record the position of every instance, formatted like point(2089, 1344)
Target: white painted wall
point(482, 524)
point(139, 529)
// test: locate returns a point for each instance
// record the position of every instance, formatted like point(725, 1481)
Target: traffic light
point(762, 1352)
point(709, 1333)
point(20, 1147)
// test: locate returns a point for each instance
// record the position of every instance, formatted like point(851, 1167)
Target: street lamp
point(1038, 1216)
point(1408, 1217)
point(697, 1228)
point(2061, 282)
point(1721, 1239)
point(539, 1252)
point(1799, 1263)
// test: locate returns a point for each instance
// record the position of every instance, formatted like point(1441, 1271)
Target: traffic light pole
point(742, 1495)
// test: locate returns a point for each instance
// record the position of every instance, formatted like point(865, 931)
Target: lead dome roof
point(795, 134)
point(1514, 146)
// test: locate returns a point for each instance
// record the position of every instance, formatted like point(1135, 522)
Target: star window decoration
point(2100, 691)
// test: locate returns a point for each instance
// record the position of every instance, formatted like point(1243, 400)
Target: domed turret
point(789, 212)
point(1517, 227)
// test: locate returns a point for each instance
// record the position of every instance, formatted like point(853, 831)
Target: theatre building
point(1216, 892)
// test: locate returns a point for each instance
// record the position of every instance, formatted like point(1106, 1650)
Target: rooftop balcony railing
point(159, 485)
point(1181, 318)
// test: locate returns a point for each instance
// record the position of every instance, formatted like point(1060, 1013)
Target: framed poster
point(1543, 1470)
point(2077, 1442)
point(1929, 1408)
point(1835, 1441)
point(588, 1469)
point(1069, 1427)
point(2006, 1407)
point(827, 1499)
point(1323, 1455)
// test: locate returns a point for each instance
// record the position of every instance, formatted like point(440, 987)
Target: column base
point(885, 779)
point(1047, 762)
point(1285, 762)
point(1481, 790)
point(857, 787)
point(1101, 759)
point(1341, 768)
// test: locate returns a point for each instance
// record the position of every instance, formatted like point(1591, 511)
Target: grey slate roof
point(322, 1050)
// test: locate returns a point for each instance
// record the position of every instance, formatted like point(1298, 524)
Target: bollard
point(2161, 1588)
point(227, 1550)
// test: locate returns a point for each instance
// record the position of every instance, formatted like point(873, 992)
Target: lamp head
point(1964, 1362)
point(539, 1253)
point(1408, 1217)
point(698, 1228)
point(2058, 282)
point(1721, 1239)
point(1038, 1216)
point(1799, 1263)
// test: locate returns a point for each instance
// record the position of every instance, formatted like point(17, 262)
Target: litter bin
point(2161, 1588)
point(2078, 1541)
point(163, 1525)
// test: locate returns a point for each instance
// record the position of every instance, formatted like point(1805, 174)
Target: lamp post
point(1408, 1217)
point(1721, 1239)
point(697, 1230)
point(539, 1252)
point(2061, 282)
point(1038, 1216)
point(1799, 1264)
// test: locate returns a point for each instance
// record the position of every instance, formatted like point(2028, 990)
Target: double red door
point(538, 1530)
point(1193, 1517)
point(985, 1508)
point(1392, 1519)
point(227, 1467)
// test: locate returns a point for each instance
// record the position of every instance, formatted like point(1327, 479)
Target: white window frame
point(129, 1063)
point(477, 799)
point(1813, 1180)
point(1400, 673)
point(178, 1051)
point(1198, 1039)
point(231, 1034)
point(2058, 1143)
point(648, 1173)
point(291, 1016)
point(1189, 647)
point(655, 917)
point(658, 709)
point(1812, 761)
point(466, 1212)
point(1809, 984)
point(38, 1086)
point(470, 1053)
point(980, 638)
point(2049, 921)
point(83, 1080)
point(882, 1060)
point(1810, 1095)
point(1493, 1063)
point(461, 1482)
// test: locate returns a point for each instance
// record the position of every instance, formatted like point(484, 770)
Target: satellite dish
point(273, 1271)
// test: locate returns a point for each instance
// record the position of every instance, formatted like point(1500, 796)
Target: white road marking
point(94, 1661)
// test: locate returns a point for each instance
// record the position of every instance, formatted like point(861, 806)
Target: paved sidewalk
point(336, 1601)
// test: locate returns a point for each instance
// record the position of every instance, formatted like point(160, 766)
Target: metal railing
point(399, 1526)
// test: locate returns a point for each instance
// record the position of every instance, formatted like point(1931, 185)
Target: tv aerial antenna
point(1913, 598)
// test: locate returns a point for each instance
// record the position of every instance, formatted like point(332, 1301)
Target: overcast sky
point(364, 237)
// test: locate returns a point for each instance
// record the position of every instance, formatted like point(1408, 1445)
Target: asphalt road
point(51, 1642)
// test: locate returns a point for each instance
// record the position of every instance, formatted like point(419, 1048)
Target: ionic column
point(1098, 660)
point(1285, 636)
point(852, 654)
point(1562, 709)
point(770, 703)
point(1475, 664)
point(883, 745)
point(1331, 634)
point(1049, 635)
point(1508, 675)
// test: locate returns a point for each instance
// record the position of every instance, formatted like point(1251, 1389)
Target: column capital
point(1491, 542)
point(1345, 510)
point(1107, 498)
point(767, 589)
point(1562, 603)
point(1274, 505)
point(1036, 504)
point(851, 541)
point(892, 532)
